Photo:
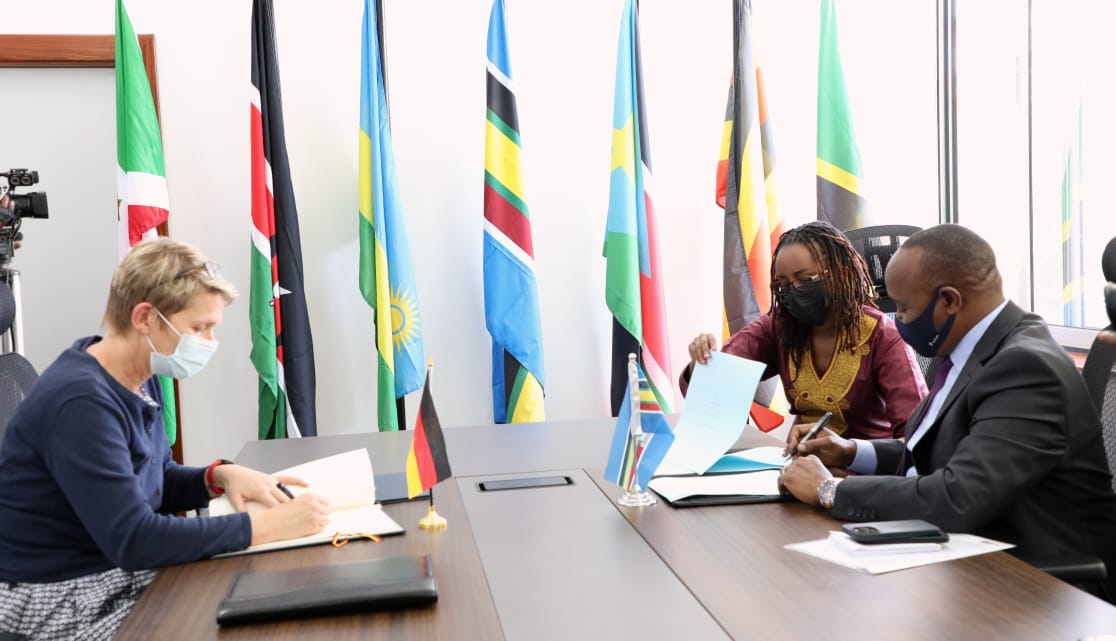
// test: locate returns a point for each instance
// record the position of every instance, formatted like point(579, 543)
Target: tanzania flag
point(745, 187)
point(141, 184)
point(387, 280)
point(1073, 236)
point(511, 298)
point(839, 172)
point(630, 459)
point(633, 276)
point(282, 349)
point(427, 461)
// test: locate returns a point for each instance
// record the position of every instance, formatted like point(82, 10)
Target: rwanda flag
point(141, 184)
point(387, 280)
point(839, 172)
point(282, 348)
point(633, 275)
point(511, 299)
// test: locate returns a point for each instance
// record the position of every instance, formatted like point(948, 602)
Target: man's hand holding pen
point(816, 454)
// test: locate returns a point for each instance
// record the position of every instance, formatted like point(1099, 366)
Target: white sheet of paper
point(716, 411)
point(959, 546)
point(345, 479)
point(672, 488)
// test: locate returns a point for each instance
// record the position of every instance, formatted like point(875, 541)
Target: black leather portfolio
point(363, 586)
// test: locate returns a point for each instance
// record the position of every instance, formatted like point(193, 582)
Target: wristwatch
point(827, 492)
point(211, 479)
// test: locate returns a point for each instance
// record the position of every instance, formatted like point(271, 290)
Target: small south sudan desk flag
point(427, 462)
point(633, 458)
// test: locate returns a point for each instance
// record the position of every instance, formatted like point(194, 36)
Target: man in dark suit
point(1007, 445)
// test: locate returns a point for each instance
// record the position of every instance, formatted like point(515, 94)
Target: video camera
point(31, 205)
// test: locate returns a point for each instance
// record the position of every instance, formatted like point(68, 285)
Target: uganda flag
point(633, 272)
point(840, 201)
point(511, 299)
point(386, 276)
point(427, 461)
point(282, 347)
point(745, 185)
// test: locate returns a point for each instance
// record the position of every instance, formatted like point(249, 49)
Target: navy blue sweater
point(87, 482)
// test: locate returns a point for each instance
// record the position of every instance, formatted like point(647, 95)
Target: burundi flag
point(511, 299)
point(387, 279)
point(427, 460)
point(745, 185)
point(840, 201)
point(282, 348)
point(634, 280)
point(632, 458)
point(141, 184)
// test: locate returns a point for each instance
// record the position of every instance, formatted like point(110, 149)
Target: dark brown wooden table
point(729, 558)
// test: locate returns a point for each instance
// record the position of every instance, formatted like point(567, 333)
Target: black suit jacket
point(1015, 454)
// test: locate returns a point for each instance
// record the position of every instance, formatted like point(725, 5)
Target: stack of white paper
point(959, 546)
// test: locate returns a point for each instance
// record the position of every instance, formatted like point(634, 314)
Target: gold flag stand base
point(432, 521)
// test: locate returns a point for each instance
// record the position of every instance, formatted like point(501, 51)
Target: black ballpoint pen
point(284, 490)
point(822, 422)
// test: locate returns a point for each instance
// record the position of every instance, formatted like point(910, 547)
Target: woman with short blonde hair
point(91, 490)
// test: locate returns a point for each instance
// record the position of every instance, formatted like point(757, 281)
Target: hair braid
point(847, 282)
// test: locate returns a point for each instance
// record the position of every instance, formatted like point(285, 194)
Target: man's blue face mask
point(921, 334)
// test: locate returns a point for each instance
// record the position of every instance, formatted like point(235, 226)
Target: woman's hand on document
point(244, 484)
point(305, 515)
point(701, 347)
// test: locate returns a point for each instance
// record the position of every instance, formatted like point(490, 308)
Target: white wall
point(563, 58)
point(564, 61)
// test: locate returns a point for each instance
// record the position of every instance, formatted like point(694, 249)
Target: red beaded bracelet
point(211, 480)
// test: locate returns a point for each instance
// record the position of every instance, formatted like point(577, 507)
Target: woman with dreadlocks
point(834, 350)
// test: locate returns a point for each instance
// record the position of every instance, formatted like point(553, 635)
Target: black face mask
point(808, 304)
point(921, 334)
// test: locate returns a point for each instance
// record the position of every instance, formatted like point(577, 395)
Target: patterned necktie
point(939, 380)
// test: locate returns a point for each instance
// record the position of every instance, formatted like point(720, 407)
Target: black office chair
point(1087, 571)
point(16, 372)
point(1097, 371)
point(876, 245)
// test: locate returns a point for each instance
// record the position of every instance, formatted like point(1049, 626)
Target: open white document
point(762, 484)
point(959, 546)
point(716, 411)
point(346, 481)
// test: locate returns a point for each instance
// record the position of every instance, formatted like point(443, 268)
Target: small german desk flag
point(427, 462)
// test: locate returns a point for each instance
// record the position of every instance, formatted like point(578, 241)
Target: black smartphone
point(909, 531)
point(521, 483)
